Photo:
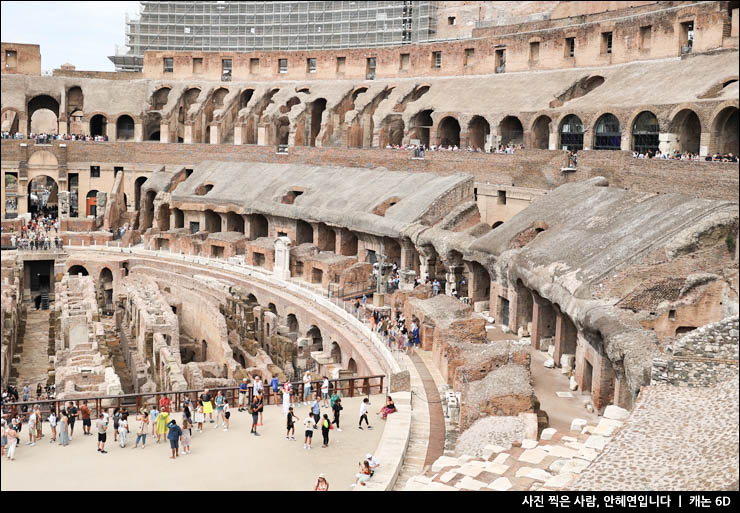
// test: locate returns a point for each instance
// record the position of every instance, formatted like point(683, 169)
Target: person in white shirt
point(363, 413)
point(123, 429)
point(325, 392)
point(53, 425)
point(32, 429)
point(306, 387)
point(372, 461)
point(308, 423)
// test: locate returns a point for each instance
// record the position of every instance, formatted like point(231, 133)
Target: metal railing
point(347, 387)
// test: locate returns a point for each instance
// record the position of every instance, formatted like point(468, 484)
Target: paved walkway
point(220, 461)
point(33, 367)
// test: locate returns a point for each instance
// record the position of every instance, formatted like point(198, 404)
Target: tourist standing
point(85, 416)
point(187, 433)
point(275, 384)
point(325, 392)
point(308, 424)
point(220, 409)
point(173, 436)
point(53, 426)
point(306, 387)
point(12, 436)
point(290, 433)
point(164, 403)
point(255, 415)
point(227, 414)
point(261, 404)
point(63, 426)
point(363, 413)
point(199, 417)
point(116, 422)
point(123, 429)
point(286, 397)
point(142, 428)
point(32, 429)
point(205, 398)
point(102, 428)
point(325, 427)
point(243, 395)
point(336, 408)
point(4, 437)
point(153, 414)
point(72, 414)
point(316, 411)
point(162, 420)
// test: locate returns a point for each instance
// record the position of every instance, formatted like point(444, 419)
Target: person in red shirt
point(164, 404)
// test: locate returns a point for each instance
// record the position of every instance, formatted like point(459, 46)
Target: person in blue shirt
point(243, 395)
point(275, 384)
point(173, 436)
point(316, 411)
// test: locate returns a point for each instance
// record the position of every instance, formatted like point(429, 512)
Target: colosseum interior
point(574, 313)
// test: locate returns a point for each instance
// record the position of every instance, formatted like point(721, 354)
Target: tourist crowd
point(159, 419)
point(677, 155)
point(419, 150)
point(36, 234)
point(45, 138)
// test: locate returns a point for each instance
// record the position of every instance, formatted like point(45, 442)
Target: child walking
point(290, 433)
point(363, 413)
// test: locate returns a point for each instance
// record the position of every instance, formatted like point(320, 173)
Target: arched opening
point(137, 191)
point(292, 322)
point(391, 131)
point(330, 240)
point(203, 351)
point(75, 99)
point(317, 342)
point(44, 121)
point(74, 123)
point(478, 131)
point(160, 97)
point(421, 123)
point(292, 102)
point(336, 353)
point(448, 132)
point(571, 133)
point(348, 246)
point(213, 221)
point(317, 110)
point(541, 133)
point(352, 366)
point(252, 300)
point(259, 226)
point(608, 133)
point(272, 308)
point(725, 131)
point(245, 97)
point(496, 224)
point(152, 123)
point(304, 232)
point(124, 128)
point(43, 102)
point(105, 289)
point(98, 126)
point(687, 129)
point(77, 269)
point(234, 222)
point(218, 97)
point(646, 133)
point(43, 195)
point(91, 203)
point(282, 131)
point(511, 131)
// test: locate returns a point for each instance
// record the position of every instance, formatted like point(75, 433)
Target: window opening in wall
point(11, 59)
point(606, 42)
point(311, 65)
point(436, 60)
point(405, 60)
point(608, 133)
point(116, 170)
point(188, 172)
point(672, 315)
point(169, 64)
point(687, 37)
point(646, 133)
point(534, 51)
point(475, 194)
point(570, 46)
point(469, 56)
point(451, 20)
point(501, 61)
point(646, 34)
point(571, 133)
point(502, 197)
point(254, 66)
point(197, 65)
point(282, 65)
point(282, 234)
point(94, 171)
point(370, 68)
point(291, 196)
point(226, 70)
point(341, 63)
point(194, 227)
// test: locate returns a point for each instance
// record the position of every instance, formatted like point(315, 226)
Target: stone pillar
point(215, 133)
point(667, 143)
point(427, 266)
point(138, 132)
point(164, 133)
point(110, 131)
point(602, 384)
point(262, 135)
point(408, 278)
point(622, 395)
point(542, 319)
point(408, 252)
point(704, 142)
point(565, 336)
point(238, 137)
point(282, 258)
point(553, 143)
point(86, 127)
point(452, 278)
point(188, 135)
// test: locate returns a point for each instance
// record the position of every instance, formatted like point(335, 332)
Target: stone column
point(452, 278)
point(238, 137)
point(138, 132)
point(553, 142)
point(565, 336)
point(704, 142)
point(408, 251)
point(188, 135)
point(215, 139)
point(282, 258)
point(164, 133)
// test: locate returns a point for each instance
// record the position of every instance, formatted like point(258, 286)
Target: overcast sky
point(81, 33)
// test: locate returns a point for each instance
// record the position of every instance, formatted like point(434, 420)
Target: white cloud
point(81, 33)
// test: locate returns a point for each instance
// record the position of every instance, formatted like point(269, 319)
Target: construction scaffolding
point(262, 26)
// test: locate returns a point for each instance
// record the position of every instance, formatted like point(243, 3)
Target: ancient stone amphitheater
point(223, 226)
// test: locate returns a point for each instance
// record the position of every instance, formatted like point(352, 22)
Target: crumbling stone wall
point(704, 357)
point(10, 320)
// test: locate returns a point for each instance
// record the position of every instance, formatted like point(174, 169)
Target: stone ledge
point(393, 445)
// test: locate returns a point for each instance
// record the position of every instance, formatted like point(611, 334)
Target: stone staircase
point(31, 362)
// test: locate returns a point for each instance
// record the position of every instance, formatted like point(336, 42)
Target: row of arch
point(606, 133)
